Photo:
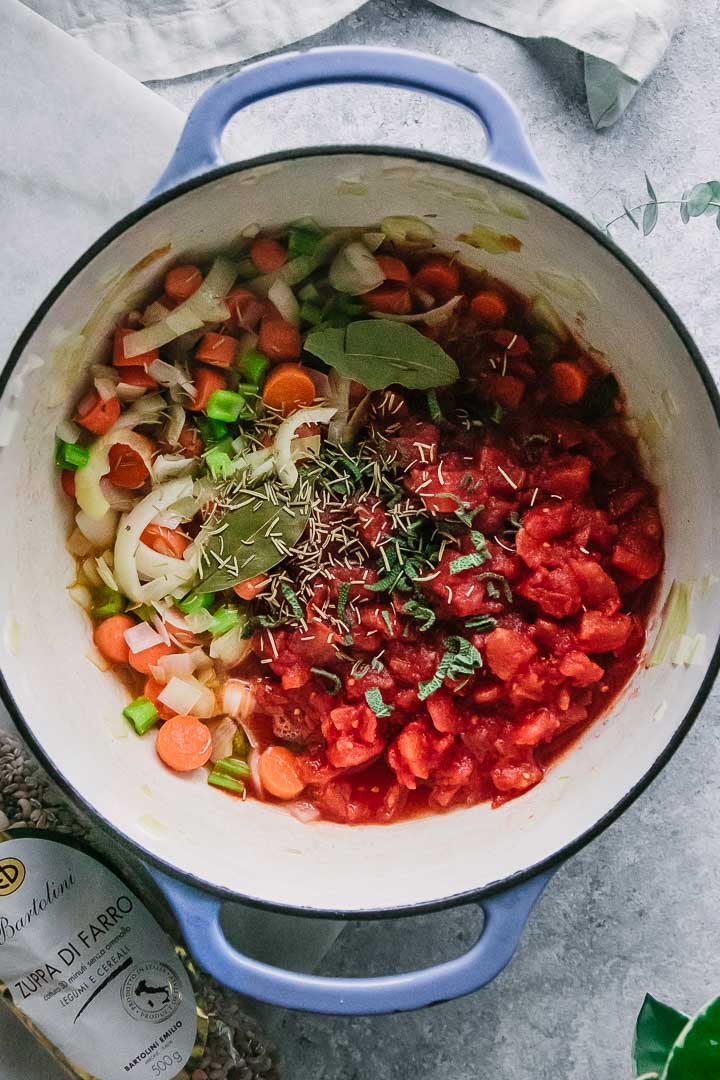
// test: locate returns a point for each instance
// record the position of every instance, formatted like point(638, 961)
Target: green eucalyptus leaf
point(699, 199)
point(244, 547)
point(650, 216)
point(629, 214)
point(650, 188)
point(684, 212)
point(715, 188)
point(657, 1028)
point(380, 352)
point(695, 1054)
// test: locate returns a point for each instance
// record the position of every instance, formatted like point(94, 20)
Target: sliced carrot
point(152, 691)
point(146, 659)
point(392, 298)
point(287, 388)
point(490, 307)
point(127, 468)
point(393, 269)
point(184, 743)
point(119, 357)
point(109, 638)
point(245, 309)
point(96, 414)
point(67, 482)
point(440, 277)
point(248, 590)
point(138, 376)
point(506, 390)
point(268, 254)
point(219, 350)
point(190, 441)
point(569, 382)
point(279, 339)
point(182, 281)
point(280, 773)
point(168, 542)
point(206, 382)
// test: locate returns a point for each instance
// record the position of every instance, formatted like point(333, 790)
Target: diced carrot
point(287, 388)
point(248, 590)
point(280, 773)
point(268, 254)
point(440, 277)
point(127, 468)
point(138, 376)
point(109, 638)
point(490, 307)
point(190, 441)
point(67, 482)
point(184, 743)
point(96, 414)
point(392, 298)
point(219, 350)
point(569, 382)
point(506, 390)
point(152, 691)
point(182, 281)
point(119, 357)
point(393, 269)
point(146, 659)
point(279, 339)
point(206, 382)
point(245, 309)
point(168, 542)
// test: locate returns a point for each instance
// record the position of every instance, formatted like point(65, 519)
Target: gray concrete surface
point(638, 910)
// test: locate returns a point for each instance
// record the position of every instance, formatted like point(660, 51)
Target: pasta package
point(88, 970)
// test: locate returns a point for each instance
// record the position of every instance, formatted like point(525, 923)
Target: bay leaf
point(380, 353)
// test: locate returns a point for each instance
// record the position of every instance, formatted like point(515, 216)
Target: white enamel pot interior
point(71, 711)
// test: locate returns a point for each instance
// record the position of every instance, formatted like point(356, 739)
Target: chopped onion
point(199, 621)
point(127, 392)
point(168, 466)
point(254, 763)
point(68, 431)
point(106, 573)
point(246, 343)
point(165, 374)
point(90, 571)
point(88, 490)
point(134, 524)
point(433, 317)
point(222, 739)
point(281, 295)
point(81, 596)
point(141, 636)
point(303, 811)
point(355, 270)
point(77, 544)
point(320, 382)
point(153, 565)
point(104, 371)
point(239, 699)
point(154, 313)
point(281, 448)
point(146, 410)
point(231, 647)
point(105, 388)
point(177, 665)
point(95, 657)
point(99, 531)
point(162, 631)
point(117, 498)
point(181, 695)
point(408, 230)
point(175, 424)
point(373, 240)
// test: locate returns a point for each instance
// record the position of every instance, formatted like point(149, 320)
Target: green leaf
point(650, 188)
point(684, 212)
point(657, 1028)
point(699, 199)
point(379, 352)
point(628, 214)
point(375, 701)
point(695, 1054)
point(490, 240)
point(717, 219)
point(650, 216)
point(244, 546)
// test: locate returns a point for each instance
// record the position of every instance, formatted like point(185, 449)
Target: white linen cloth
point(623, 40)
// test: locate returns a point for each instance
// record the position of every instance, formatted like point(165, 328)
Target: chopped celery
point(253, 365)
point(303, 240)
point(310, 313)
point(108, 602)
point(309, 293)
point(141, 713)
point(224, 619)
point(196, 602)
point(222, 780)
point(70, 455)
point(219, 463)
point(233, 767)
point(240, 745)
point(212, 430)
point(226, 405)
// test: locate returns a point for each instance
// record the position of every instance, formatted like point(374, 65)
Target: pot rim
point(557, 858)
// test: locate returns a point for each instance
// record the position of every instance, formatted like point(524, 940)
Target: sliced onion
point(281, 448)
point(99, 531)
point(408, 230)
point(222, 739)
point(118, 498)
point(141, 636)
point(320, 382)
point(254, 763)
point(68, 431)
point(239, 699)
point(177, 665)
point(105, 573)
point(81, 595)
point(355, 270)
point(199, 621)
point(77, 544)
point(181, 695)
point(373, 240)
point(146, 410)
point(134, 524)
point(175, 424)
point(104, 371)
point(153, 565)
point(303, 811)
point(169, 375)
point(127, 392)
point(433, 317)
point(168, 466)
point(88, 490)
point(281, 295)
point(105, 388)
point(154, 313)
point(162, 631)
point(231, 647)
point(90, 571)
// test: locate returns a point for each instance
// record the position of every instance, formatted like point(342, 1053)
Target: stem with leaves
point(702, 199)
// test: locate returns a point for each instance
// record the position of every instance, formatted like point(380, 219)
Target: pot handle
point(198, 914)
point(199, 147)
